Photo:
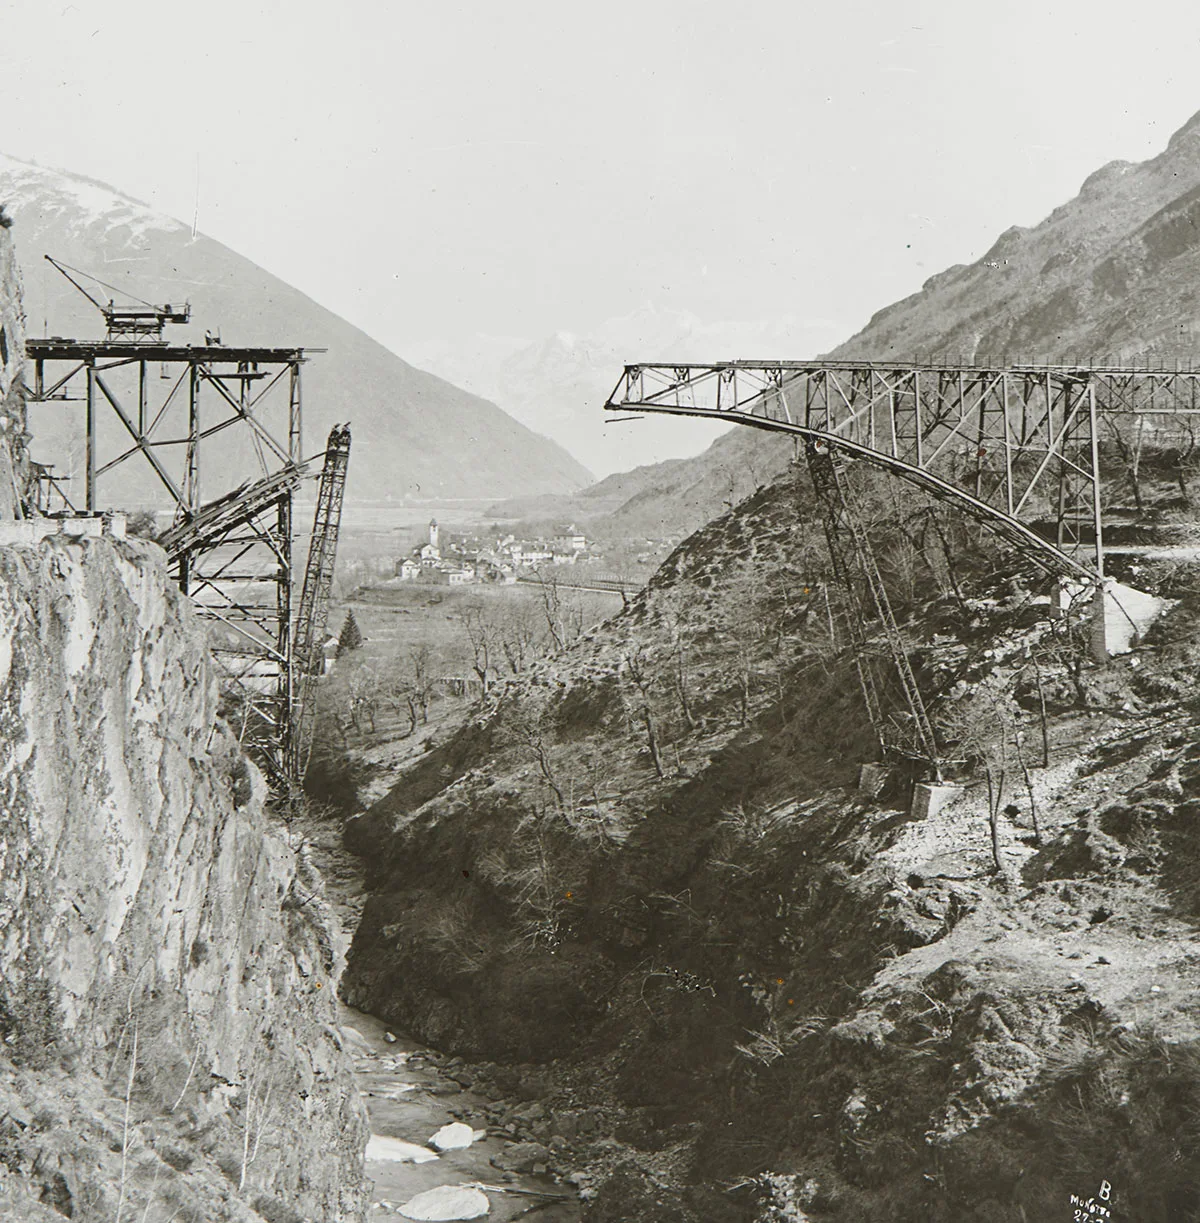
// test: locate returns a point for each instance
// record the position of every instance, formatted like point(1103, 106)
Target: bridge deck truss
point(1018, 447)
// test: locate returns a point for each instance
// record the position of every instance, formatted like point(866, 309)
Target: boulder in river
point(521, 1156)
point(447, 1202)
point(453, 1137)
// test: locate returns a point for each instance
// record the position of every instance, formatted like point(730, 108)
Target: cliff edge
point(167, 1039)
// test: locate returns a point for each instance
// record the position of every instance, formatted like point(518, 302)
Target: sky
point(434, 170)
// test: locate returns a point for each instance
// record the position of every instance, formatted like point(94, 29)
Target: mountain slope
point(558, 385)
point(415, 434)
point(1110, 275)
point(644, 865)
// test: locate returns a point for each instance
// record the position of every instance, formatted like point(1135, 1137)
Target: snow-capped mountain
point(558, 385)
point(414, 434)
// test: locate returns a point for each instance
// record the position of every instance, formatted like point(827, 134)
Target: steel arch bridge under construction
point(1017, 447)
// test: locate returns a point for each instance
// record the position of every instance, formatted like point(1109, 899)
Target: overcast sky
point(437, 169)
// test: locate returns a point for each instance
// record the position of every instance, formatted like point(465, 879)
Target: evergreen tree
point(351, 636)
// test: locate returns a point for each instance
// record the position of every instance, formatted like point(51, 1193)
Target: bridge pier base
point(930, 797)
point(1120, 617)
point(872, 777)
point(1117, 619)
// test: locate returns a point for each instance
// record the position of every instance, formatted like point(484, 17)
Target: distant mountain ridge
point(1111, 275)
point(558, 385)
point(416, 435)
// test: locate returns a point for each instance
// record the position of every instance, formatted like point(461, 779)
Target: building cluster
point(462, 562)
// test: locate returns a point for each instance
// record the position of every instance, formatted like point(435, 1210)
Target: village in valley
point(456, 560)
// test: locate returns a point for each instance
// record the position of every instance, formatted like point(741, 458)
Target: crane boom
point(144, 321)
point(314, 596)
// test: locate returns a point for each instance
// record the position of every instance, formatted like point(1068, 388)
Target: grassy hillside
point(644, 866)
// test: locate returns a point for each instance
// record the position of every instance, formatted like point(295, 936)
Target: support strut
point(313, 610)
point(843, 525)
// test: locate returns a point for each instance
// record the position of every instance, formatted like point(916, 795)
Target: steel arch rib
point(1040, 550)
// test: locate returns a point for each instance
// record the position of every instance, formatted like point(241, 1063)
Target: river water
point(409, 1099)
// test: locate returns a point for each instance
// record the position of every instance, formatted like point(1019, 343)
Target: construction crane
point(313, 610)
point(144, 321)
point(843, 526)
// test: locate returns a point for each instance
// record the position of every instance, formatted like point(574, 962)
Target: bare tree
point(529, 727)
point(422, 677)
point(520, 640)
point(678, 608)
point(399, 694)
point(1125, 434)
point(481, 635)
point(564, 616)
point(636, 667)
point(1182, 459)
point(983, 725)
point(364, 691)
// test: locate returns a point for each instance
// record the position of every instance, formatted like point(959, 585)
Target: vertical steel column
point(142, 398)
point(1096, 507)
point(90, 442)
point(981, 436)
point(295, 415)
point(1061, 512)
point(285, 693)
point(1008, 467)
point(920, 439)
point(191, 479)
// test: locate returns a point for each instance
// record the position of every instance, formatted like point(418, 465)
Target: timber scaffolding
point(1022, 448)
point(168, 406)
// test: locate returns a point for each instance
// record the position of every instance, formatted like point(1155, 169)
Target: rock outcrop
point(167, 969)
point(13, 457)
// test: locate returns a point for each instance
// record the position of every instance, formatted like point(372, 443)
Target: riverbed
point(409, 1099)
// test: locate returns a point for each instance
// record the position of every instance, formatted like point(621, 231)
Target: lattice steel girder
point(233, 554)
point(248, 609)
point(312, 612)
point(169, 401)
point(1016, 446)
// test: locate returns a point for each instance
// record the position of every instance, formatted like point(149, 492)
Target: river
point(410, 1097)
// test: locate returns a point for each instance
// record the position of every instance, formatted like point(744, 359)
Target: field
point(426, 653)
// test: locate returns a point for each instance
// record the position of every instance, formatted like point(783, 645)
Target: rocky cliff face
point(12, 356)
point(166, 966)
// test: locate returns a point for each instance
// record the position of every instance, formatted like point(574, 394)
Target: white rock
point(353, 1039)
point(447, 1202)
point(453, 1137)
point(396, 1150)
